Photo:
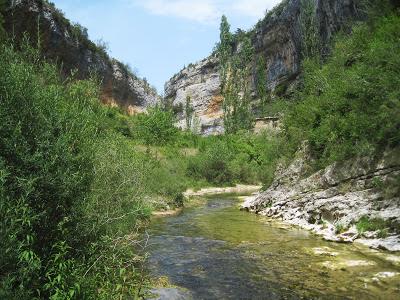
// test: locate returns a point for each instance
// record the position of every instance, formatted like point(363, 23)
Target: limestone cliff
point(201, 83)
point(277, 38)
point(331, 201)
point(68, 45)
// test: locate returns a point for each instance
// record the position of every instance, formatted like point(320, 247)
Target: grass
point(373, 224)
point(340, 228)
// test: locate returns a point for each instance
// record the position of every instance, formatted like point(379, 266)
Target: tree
point(243, 73)
point(224, 50)
point(262, 90)
point(188, 113)
point(310, 31)
point(156, 127)
point(235, 71)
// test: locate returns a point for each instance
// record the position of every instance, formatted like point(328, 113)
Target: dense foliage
point(63, 200)
point(235, 54)
point(156, 127)
point(351, 104)
point(77, 180)
point(239, 158)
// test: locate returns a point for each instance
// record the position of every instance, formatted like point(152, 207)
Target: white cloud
point(207, 11)
point(199, 11)
point(252, 8)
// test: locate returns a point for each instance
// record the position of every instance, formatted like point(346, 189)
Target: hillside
point(277, 40)
point(68, 45)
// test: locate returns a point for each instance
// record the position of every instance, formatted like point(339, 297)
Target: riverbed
point(212, 250)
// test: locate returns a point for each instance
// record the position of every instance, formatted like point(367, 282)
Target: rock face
point(336, 198)
point(201, 83)
point(69, 46)
point(278, 39)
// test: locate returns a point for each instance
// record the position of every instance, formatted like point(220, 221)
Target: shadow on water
point(216, 251)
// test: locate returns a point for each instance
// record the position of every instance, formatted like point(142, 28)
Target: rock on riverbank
point(330, 202)
point(238, 189)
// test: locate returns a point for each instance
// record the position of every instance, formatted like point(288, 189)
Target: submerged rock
point(324, 251)
point(169, 294)
point(343, 264)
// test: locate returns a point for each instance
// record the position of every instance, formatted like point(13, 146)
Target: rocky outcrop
point(201, 83)
point(278, 39)
point(330, 202)
point(68, 45)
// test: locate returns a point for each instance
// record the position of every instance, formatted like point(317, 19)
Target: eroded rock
point(331, 201)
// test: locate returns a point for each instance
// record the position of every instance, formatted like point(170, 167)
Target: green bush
point(156, 127)
point(70, 188)
point(46, 139)
point(368, 224)
point(118, 121)
point(213, 164)
point(239, 158)
point(351, 105)
point(166, 178)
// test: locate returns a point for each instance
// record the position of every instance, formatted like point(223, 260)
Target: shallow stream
point(212, 250)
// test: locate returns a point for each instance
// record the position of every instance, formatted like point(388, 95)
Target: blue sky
point(158, 37)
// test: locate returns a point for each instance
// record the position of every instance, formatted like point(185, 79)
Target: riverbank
point(239, 189)
point(355, 201)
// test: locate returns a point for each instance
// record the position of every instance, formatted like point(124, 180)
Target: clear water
point(215, 251)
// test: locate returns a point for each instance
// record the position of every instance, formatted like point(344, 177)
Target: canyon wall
point(278, 39)
point(68, 45)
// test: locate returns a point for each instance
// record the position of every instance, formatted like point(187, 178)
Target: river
point(212, 250)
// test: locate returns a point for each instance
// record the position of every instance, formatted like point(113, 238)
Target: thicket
point(155, 127)
point(350, 105)
point(235, 158)
point(72, 190)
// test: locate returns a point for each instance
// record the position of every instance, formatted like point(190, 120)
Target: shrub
point(166, 178)
point(212, 164)
point(46, 139)
point(350, 106)
point(156, 127)
point(239, 158)
point(374, 224)
point(66, 188)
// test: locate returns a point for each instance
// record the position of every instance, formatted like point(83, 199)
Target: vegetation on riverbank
point(70, 202)
point(79, 180)
point(350, 105)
